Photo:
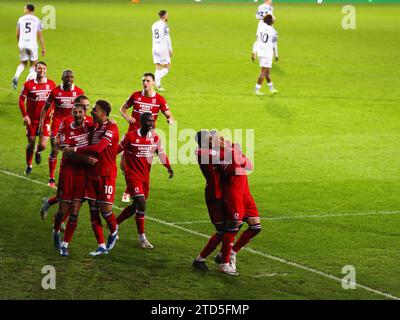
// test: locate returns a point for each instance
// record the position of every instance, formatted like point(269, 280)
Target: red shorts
point(33, 129)
point(70, 187)
point(55, 126)
point(100, 188)
point(137, 187)
point(215, 210)
point(239, 207)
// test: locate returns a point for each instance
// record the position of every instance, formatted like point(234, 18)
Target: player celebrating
point(207, 160)
point(140, 146)
point(71, 187)
point(162, 48)
point(239, 206)
point(29, 27)
point(35, 93)
point(264, 48)
point(48, 202)
point(264, 9)
point(63, 97)
point(146, 100)
point(101, 178)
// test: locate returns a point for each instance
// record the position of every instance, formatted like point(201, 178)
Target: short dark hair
point(105, 106)
point(41, 62)
point(268, 19)
point(149, 74)
point(202, 138)
point(79, 98)
point(162, 13)
point(144, 116)
point(30, 7)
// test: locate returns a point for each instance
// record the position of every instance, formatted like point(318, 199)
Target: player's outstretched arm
point(41, 40)
point(125, 115)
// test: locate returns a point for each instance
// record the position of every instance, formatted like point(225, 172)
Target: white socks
point(20, 69)
point(258, 87)
point(32, 74)
point(142, 237)
point(271, 86)
point(159, 74)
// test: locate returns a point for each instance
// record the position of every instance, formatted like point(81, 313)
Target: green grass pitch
point(327, 150)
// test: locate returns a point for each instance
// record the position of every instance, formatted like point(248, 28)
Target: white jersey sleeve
point(263, 10)
point(28, 25)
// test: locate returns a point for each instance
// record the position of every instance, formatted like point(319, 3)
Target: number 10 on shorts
point(108, 190)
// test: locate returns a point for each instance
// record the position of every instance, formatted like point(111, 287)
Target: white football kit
point(28, 26)
point(263, 10)
point(265, 44)
point(161, 43)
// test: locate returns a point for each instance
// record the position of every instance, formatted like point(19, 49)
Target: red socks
point(227, 241)
point(125, 214)
point(213, 242)
point(70, 229)
point(52, 167)
point(139, 217)
point(97, 225)
point(245, 238)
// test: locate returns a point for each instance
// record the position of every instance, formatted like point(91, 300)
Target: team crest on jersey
point(34, 88)
point(236, 215)
point(136, 189)
point(140, 99)
point(74, 93)
point(47, 86)
point(152, 140)
point(137, 140)
point(59, 94)
point(153, 101)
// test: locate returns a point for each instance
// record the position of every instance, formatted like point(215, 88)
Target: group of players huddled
point(90, 145)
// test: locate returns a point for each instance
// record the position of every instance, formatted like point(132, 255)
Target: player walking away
point(71, 187)
point(207, 160)
point(101, 178)
point(29, 27)
point(264, 9)
point(162, 48)
point(63, 97)
point(35, 92)
point(140, 146)
point(239, 206)
point(146, 100)
point(264, 48)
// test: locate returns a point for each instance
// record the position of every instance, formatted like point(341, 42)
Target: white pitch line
point(294, 217)
point(266, 255)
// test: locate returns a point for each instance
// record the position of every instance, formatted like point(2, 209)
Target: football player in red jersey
point(140, 146)
point(71, 186)
point(35, 93)
point(207, 159)
point(63, 97)
point(239, 205)
point(146, 100)
point(48, 202)
point(101, 178)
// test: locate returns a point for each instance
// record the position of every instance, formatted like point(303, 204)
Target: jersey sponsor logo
point(109, 133)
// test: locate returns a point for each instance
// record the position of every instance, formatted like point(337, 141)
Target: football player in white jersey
point(162, 48)
point(264, 9)
point(264, 48)
point(29, 27)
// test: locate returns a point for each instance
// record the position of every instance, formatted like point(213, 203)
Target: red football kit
point(36, 95)
point(63, 103)
point(238, 202)
point(142, 104)
point(139, 152)
point(101, 178)
point(207, 160)
point(71, 185)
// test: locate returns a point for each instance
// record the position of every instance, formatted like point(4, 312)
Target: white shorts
point(26, 54)
point(265, 62)
point(161, 57)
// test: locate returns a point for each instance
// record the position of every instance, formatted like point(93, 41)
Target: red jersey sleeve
point(163, 104)
point(50, 98)
point(122, 145)
point(22, 98)
point(130, 101)
point(112, 131)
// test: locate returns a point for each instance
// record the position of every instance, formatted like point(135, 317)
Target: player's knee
point(231, 226)
point(140, 203)
point(106, 213)
point(219, 227)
